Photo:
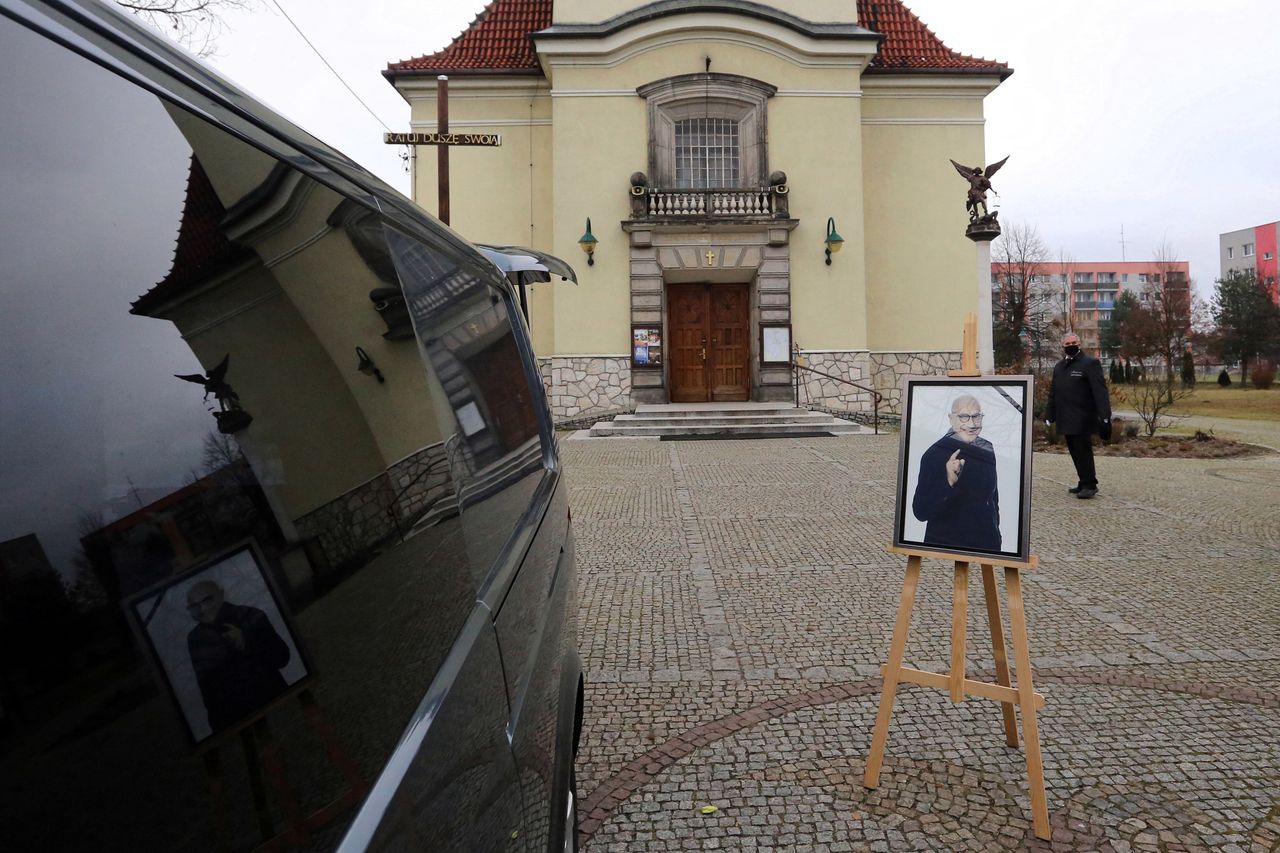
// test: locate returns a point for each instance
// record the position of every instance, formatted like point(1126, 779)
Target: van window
point(234, 479)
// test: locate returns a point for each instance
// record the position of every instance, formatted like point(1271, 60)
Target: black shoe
point(1075, 490)
point(1086, 492)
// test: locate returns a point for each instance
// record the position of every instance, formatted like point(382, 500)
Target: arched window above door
point(707, 130)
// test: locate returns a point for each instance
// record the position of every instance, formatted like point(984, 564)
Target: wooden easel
point(955, 682)
point(299, 827)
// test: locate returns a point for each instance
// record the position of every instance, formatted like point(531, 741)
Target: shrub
point(1118, 429)
point(1130, 430)
point(1188, 370)
point(1264, 374)
point(1045, 432)
point(1224, 378)
point(1040, 402)
point(1152, 400)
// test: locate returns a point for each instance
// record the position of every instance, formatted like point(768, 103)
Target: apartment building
point(1251, 250)
point(1081, 295)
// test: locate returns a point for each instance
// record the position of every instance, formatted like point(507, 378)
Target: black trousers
point(1081, 447)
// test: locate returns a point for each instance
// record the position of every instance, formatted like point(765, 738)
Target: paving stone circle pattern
point(737, 602)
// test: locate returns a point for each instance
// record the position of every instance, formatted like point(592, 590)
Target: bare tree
point(1138, 332)
point(1169, 310)
point(1152, 400)
point(1067, 274)
point(194, 23)
point(85, 590)
point(217, 451)
point(1021, 307)
point(1050, 313)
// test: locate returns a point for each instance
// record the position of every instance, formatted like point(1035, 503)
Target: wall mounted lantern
point(834, 241)
point(367, 367)
point(588, 244)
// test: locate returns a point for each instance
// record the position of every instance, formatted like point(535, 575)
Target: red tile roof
point(201, 250)
point(909, 45)
point(498, 42)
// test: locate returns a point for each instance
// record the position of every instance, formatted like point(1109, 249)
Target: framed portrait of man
point(964, 466)
point(220, 642)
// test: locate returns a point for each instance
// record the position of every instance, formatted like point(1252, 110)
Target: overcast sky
point(1158, 115)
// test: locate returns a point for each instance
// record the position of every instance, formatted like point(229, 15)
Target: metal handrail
point(876, 396)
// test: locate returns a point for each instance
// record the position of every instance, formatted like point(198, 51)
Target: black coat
point(966, 515)
point(1078, 400)
point(237, 682)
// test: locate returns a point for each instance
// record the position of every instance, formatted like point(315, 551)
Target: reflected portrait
point(220, 642)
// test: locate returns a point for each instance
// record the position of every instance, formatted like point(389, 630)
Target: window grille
point(706, 153)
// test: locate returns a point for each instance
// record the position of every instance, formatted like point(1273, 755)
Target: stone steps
point(724, 419)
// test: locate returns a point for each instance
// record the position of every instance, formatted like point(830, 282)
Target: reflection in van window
point(230, 469)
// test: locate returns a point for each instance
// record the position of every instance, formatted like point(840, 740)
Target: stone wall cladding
point(880, 370)
point(582, 385)
point(888, 368)
point(420, 479)
point(544, 370)
point(816, 390)
point(359, 519)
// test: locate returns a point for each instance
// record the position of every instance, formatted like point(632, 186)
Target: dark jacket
point(966, 515)
point(1078, 400)
point(237, 682)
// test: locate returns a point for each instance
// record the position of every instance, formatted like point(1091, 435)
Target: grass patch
point(1234, 401)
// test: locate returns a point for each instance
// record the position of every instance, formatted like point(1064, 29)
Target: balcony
point(660, 204)
point(732, 204)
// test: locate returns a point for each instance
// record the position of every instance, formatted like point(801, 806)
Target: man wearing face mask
point(1079, 404)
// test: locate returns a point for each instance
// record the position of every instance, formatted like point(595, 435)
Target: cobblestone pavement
point(737, 603)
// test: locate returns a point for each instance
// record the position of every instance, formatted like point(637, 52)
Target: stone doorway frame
point(758, 254)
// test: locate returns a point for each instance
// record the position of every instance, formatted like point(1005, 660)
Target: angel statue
point(979, 182)
point(231, 418)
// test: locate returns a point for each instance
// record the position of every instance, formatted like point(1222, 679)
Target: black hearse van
point(285, 554)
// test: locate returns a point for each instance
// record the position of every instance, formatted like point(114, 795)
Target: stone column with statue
point(983, 227)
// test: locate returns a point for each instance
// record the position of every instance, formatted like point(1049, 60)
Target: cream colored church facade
point(714, 146)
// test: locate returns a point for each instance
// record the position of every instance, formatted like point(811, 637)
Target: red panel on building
point(1264, 237)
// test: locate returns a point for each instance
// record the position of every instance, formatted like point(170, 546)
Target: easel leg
point(254, 769)
point(1026, 699)
point(994, 617)
point(217, 798)
point(896, 650)
point(274, 763)
point(329, 738)
point(959, 621)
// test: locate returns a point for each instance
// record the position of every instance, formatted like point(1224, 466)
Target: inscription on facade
point(491, 139)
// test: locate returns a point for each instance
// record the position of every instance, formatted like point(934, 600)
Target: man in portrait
point(956, 494)
point(236, 653)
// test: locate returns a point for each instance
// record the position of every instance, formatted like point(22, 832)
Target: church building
point(733, 181)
